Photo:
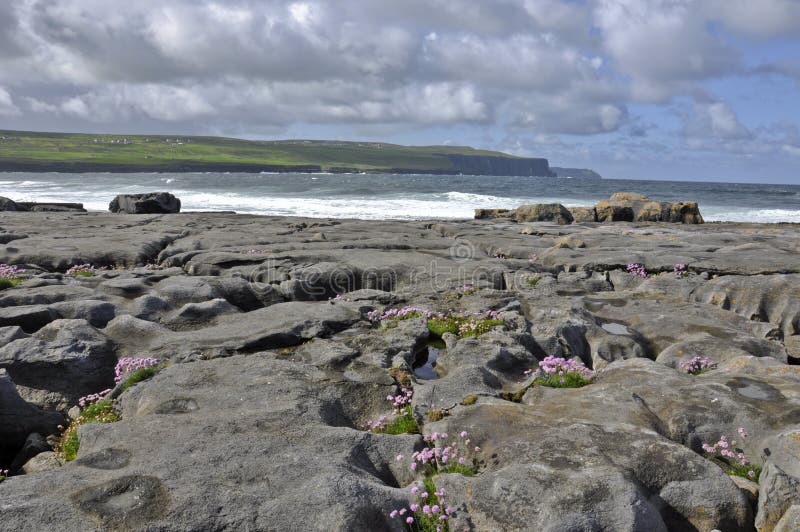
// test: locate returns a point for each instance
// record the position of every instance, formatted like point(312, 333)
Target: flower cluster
point(340, 297)
point(466, 289)
point(464, 323)
point(732, 458)
point(83, 270)
point(127, 365)
point(87, 400)
point(3, 474)
point(439, 456)
point(429, 512)
point(559, 372)
point(459, 323)
point(680, 270)
point(697, 365)
point(9, 271)
point(402, 410)
point(396, 314)
point(637, 269)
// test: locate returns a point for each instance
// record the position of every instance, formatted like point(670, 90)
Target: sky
point(705, 90)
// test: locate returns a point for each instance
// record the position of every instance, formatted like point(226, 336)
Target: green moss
point(83, 274)
point(436, 415)
point(403, 424)
point(9, 282)
point(99, 412)
point(138, 376)
point(464, 326)
point(459, 468)
point(568, 380)
point(469, 400)
point(533, 281)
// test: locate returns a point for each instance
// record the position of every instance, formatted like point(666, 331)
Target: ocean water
point(389, 196)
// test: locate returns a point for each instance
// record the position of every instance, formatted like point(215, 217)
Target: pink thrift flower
point(464, 434)
point(415, 489)
point(409, 520)
point(393, 514)
point(414, 507)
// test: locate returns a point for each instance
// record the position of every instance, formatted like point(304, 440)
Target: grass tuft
point(99, 412)
point(138, 376)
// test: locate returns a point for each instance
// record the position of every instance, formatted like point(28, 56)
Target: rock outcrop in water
point(275, 365)
point(621, 207)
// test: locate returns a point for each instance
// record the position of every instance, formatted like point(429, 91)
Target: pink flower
point(426, 509)
point(399, 458)
point(415, 489)
point(409, 520)
point(393, 514)
point(414, 507)
point(463, 434)
point(435, 508)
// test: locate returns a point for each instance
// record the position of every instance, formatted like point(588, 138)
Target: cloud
point(664, 46)
point(762, 18)
point(717, 120)
point(7, 107)
point(589, 71)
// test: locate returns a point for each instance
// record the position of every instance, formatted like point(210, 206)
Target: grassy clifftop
point(85, 152)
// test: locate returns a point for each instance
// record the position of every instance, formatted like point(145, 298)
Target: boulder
point(8, 205)
point(543, 212)
point(608, 212)
point(60, 363)
point(34, 444)
point(491, 214)
point(149, 203)
point(46, 461)
point(19, 419)
point(583, 214)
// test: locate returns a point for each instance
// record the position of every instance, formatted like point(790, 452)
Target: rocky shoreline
point(277, 341)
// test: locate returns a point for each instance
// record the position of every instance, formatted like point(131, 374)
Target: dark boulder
point(149, 203)
point(8, 205)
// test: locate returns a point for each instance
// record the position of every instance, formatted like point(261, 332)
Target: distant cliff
point(28, 151)
point(493, 165)
point(582, 173)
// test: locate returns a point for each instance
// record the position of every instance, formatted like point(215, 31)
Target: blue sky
point(648, 89)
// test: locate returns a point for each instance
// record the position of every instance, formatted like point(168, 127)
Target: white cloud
point(759, 18)
point(715, 119)
point(663, 45)
point(7, 107)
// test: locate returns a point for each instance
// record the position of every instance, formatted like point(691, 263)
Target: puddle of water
point(754, 389)
point(615, 328)
point(425, 364)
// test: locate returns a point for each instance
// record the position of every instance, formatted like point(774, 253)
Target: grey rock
point(130, 479)
point(18, 418)
point(11, 333)
point(790, 520)
point(30, 318)
point(46, 461)
point(34, 444)
point(549, 212)
point(194, 315)
point(8, 205)
point(57, 365)
point(149, 203)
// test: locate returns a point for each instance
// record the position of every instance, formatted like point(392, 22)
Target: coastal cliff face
point(489, 165)
point(281, 338)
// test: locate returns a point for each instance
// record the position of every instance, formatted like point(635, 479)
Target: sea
point(393, 196)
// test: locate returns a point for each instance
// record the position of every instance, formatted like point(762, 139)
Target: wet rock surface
point(274, 366)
